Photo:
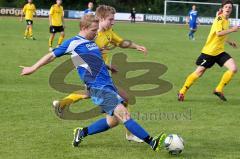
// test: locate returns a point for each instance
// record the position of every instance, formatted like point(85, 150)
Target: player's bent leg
point(123, 115)
point(73, 98)
point(231, 65)
point(189, 81)
point(59, 105)
point(226, 78)
point(129, 135)
point(112, 121)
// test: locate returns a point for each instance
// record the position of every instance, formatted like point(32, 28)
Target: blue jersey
point(193, 16)
point(88, 61)
point(88, 11)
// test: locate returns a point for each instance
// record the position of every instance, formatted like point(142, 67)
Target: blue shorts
point(107, 98)
point(193, 26)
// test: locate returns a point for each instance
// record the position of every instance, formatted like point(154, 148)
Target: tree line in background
point(141, 6)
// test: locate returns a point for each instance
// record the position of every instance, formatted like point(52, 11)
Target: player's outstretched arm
point(139, 48)
point(130, 44)
point(43, 61)
point(228, 31)
point(232, 43)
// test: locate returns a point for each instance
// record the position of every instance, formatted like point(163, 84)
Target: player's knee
point(199, 73)
point(112, 122)
point(234, 69)
point(121, 113)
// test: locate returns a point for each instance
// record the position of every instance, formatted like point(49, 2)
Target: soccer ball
point(174, 144)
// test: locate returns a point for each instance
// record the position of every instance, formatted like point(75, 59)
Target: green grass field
point(30, 129)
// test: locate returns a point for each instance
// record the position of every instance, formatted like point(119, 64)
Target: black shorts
point(56, 29)
point(208, 61)
point(29, 22)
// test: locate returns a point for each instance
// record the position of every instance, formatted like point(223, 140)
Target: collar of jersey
point(78, 36)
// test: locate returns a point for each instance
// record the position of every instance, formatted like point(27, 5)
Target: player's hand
point(142, 49)
point(113, 69)
point(235, 28)
point(233, 44)
point(27, 70)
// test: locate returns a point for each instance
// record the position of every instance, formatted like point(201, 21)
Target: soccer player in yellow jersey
point(106, 37)
point(56, 22)
point(28, 10)
point(214, 52)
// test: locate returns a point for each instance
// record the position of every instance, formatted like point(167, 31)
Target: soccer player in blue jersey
point(90, 9)
point(192, 20)
point(93, 71)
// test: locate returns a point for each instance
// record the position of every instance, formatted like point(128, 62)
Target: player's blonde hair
point(87, 20)
point(103, 11)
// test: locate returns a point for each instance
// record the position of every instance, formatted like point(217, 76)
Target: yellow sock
point(30, 32)
point(50, 41)
point(189, 81)
point(226, 78)
point(60, 40)
point(72, 98)
point(26, 33)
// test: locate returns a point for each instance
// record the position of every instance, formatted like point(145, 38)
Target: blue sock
point(137, 130)
point(97, 127)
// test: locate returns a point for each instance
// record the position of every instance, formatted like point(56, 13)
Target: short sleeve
point(51, 11)
point(219, 24)
point(34, 8)
point(117, 40)
point(62, 49)
point(24, 9)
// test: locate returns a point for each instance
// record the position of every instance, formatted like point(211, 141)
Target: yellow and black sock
point(60, 39)
point(189, 81)
point(50, 41)
point(30, 32)
point(72, 98)
point(226, 78)
point(26, 33)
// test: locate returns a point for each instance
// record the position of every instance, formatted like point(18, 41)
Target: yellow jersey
point(215, 44)
point(105, 39)
point(56, 13)
point(29, 10)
